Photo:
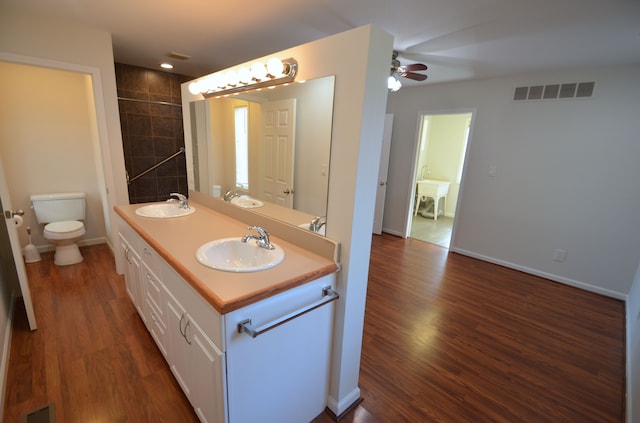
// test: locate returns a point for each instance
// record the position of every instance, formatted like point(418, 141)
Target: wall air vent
point(555, 91)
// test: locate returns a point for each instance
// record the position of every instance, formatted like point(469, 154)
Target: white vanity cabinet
point(266, 362)
point(194, 358)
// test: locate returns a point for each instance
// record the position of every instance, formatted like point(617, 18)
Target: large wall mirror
point(272, 145)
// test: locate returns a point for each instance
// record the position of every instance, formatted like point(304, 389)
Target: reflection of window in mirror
point(242, 147)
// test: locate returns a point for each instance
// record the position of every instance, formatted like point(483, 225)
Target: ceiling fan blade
point(414, 76)
point(415, 67)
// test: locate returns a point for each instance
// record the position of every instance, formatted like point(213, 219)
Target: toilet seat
point(64, 230)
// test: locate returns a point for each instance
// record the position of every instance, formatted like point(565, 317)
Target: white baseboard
point(6, 349)
point(550, 276)
point(393, 232)
point(339, 407)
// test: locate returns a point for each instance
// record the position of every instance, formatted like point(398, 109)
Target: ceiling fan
point(405, 71)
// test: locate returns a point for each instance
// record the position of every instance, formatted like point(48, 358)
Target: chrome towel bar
point(177, 153)
point(328, 295)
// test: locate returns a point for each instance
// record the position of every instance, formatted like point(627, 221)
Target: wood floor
point(447, 339)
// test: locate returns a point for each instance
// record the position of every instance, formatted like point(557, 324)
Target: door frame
point(102, 152)
point(415, 157)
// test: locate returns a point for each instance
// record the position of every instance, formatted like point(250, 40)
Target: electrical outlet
point(560, 255)
point(492, 170)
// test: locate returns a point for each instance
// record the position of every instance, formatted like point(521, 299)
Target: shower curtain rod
point(164, 103)
point(177, 153)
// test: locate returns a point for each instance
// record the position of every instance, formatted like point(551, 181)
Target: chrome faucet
point(181, 199)
point(231, 194)
point(262, 239)
point(317, 223)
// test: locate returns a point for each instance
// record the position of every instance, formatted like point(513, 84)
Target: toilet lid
point(63, 227)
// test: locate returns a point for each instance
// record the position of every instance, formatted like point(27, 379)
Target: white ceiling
point(457, 39)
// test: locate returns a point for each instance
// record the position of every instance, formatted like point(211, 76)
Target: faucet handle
point(263, 238)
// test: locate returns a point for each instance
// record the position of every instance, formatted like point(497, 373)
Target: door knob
point(288, 191)
point(382, 183)
point(10, 213)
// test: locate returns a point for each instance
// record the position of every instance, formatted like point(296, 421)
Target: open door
point(382, 174)
point(16, 251)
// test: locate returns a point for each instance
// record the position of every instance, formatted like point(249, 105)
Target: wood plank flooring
point(91, 354)
point(447, 339)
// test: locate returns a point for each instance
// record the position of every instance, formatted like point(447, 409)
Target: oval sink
point(233, 255)
point(246, 202)
point(164, 210)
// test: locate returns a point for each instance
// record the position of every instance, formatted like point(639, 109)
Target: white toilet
point(62, 214)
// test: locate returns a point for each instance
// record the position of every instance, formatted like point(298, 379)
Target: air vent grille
point(178, 56)
point(555, 91)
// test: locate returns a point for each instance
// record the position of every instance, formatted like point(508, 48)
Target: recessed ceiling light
point(166, 65)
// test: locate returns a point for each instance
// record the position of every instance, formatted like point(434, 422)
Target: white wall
point(37, 157)
point(41, 40)
point(358, 120)
point(567, 175)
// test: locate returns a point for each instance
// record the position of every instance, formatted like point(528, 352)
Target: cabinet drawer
point(131, 236)
point(154, 289)
point(151, 258)
point(157, 327)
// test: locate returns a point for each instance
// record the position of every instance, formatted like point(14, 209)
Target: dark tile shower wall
point(151, 119)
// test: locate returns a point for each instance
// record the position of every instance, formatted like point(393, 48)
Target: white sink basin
point(164, 210)
point(246, 202)
point(233, 255)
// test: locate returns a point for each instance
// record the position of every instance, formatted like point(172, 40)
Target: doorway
point(440, 157)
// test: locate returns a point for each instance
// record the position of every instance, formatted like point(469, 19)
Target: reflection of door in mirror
point(277, 152)
point(213, 146)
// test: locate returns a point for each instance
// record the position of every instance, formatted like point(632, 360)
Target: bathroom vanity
point(244, 347)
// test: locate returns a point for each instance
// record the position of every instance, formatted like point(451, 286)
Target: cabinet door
point(207, 375)
point(178, 350)
point(133, 279)
point(281, 375)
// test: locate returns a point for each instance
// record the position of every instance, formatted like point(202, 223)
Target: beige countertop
point(177, 239)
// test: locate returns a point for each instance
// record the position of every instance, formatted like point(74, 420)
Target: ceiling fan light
point(393, 84)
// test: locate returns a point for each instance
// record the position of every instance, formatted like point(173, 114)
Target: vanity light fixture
point(260, 75)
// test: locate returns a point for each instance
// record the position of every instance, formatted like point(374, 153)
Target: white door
point(5, 203)
point(382, 174)
point(277, 151)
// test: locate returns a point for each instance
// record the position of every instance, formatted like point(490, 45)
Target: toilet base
point(67, 254)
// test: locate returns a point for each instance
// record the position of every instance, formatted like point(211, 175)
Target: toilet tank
point(58, 207)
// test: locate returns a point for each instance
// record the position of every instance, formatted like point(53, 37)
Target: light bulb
point(258, 71)
point(275, 67)
point(393, 84)
point(232, 77)
point(221, 81)
point(244, 75)
point(210, 83)
point(193, 88)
